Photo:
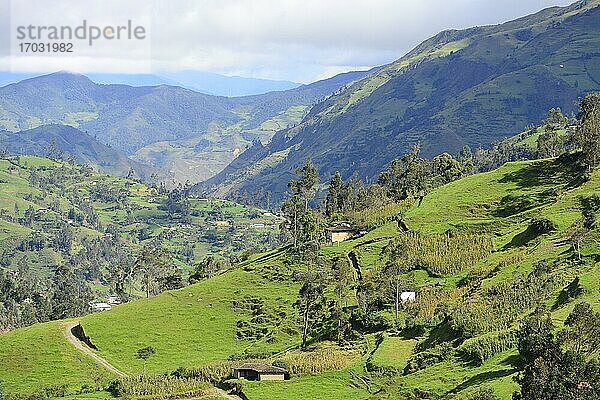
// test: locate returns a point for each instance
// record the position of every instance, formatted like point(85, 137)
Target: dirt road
point(79, 345)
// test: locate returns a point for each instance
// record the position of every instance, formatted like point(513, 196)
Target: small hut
point(259, 372)
point(339, 232)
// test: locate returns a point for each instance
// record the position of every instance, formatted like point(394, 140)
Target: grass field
point(39, 356)
point(197, 325)
point(330, 385)
point(188, 327)
point(394, 352)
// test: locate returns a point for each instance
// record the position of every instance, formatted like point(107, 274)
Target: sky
point(295, 40)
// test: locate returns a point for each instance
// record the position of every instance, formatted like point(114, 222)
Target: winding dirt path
point(226, 395)
point(86, 350)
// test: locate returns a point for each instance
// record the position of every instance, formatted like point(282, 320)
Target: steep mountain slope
point(189, 134)
point(211, 322)
point(460, 87)
point(72, 142)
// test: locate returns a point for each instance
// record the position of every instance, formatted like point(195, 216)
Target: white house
point(406, 297)
point(101, 306)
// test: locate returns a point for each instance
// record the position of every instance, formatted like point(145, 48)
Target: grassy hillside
point(439, 346)
point(469, 87)
point(80, 146)
point(53, 213)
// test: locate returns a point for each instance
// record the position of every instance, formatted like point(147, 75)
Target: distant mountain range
point(467, 87)
point(204, 82)
point(186, 134)
point(85, 149)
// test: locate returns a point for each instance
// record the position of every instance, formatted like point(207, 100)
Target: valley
point(424, 229)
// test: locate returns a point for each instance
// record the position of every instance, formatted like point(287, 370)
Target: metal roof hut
point(259, 372)
point(339, 232)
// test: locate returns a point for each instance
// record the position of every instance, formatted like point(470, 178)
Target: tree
point(144, 354)
point(588, 206)
point(301, 222)
point(333, 203)
point(70, 296)
point(394, 271)
point(547, 371)
point(550, 144)
point(343, 278)
point(406, 177)
point(556, 119)
point(587, 134)
point(465, 157)
point(305, 187)
point(292, 210)
point(311, 302)
point(582, 330)
point(206, 268)
point(445, 169)
point(155, 263)
point(54, 152)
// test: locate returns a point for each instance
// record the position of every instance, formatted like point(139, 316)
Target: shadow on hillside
point(442, 333)
point(522, 239)
point(554, 176)
point(482, 378)
point(566, 170)
point(513, 360)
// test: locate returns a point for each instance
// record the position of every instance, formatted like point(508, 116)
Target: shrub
point(428, 358)
point(55, 390)
point(478, 350)
point(542, 226)
point(485, 393)
point(366, 322)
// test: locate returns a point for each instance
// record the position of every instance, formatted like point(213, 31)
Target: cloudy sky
point(297, 40)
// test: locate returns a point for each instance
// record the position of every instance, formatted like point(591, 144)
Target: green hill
point(482, 266)
point(468, 87)
point(57, 215)
point(83, 148)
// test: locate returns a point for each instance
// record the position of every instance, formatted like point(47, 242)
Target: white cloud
point(300, 40)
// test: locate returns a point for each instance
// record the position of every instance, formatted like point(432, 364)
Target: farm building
point(101, 306)
point(259, 372)
point(339, 232)
point(407, 297)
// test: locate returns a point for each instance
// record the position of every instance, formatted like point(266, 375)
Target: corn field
point(501, 304)
point(158, 387)
point(443, 254)
point(316, 362)
point(480, 349)
point(429, 298)
point(374, 217)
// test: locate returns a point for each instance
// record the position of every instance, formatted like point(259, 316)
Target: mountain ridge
point(161, 125)
point(468, 87)
point(84, 149)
